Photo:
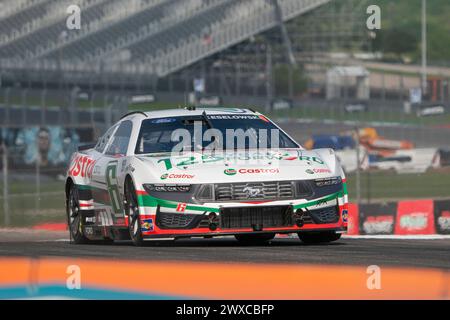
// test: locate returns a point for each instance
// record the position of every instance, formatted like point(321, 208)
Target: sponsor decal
point(378, 225)
point(311, 159)
point(90, 219)
point(147, 225)
point(186, 161)
point(82, 166)
point(164, 120)
point(232, 117)
point(322, 202)
point(259, 171)
point(414, 221)
point(322, 170)
point(181, 207)
point(309, 171)
point(177, 176)
point(89, 231)
point(230, 172)
point(345, 215)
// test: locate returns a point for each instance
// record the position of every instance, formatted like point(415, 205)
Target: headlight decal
point(328, 181)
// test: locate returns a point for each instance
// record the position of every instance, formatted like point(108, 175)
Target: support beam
point(284, 34)
point(424, 47)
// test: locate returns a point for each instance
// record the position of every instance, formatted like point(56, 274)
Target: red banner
point(415, 217)
point(353, 219)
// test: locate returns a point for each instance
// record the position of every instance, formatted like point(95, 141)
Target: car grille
point(256, 217)
point(325, 215)
point(243, 191)
point(174, 220)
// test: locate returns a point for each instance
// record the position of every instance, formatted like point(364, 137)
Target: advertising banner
point(442, 216)
point(51, 146)
point(377, 218)
point(415, 217)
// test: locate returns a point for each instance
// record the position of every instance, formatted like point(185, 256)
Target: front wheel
point(259, 238)
point(319, 237)
point(132, 210)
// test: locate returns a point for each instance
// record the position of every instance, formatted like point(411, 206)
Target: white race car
point(202, 172)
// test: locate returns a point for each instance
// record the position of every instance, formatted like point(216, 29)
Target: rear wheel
point(319, 237)
point(74, 217)
point(259, 238)
point(132, 210)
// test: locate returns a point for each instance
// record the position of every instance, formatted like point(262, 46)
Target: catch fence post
point(7, 218)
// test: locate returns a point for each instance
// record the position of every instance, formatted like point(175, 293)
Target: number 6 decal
point(113, 188)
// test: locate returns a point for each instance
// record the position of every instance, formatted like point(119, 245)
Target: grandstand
point(156, 37)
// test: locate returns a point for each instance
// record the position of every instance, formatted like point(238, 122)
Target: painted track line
point(367, 237)
point(399, 237)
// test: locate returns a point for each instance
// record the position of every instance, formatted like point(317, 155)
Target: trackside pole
point(358, 168)
point(7, 219)
point(424, 47)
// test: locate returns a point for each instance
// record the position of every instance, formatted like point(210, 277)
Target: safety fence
point(33, 162)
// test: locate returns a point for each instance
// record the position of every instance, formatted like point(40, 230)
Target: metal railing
point(224, 30)
point(53, 12)
point(171, 19)
point(106, 20)
point(229, 32)
point(12, 7)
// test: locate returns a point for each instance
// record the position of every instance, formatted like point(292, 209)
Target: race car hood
point(241, 166)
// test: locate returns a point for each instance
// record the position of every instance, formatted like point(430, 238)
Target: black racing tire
point(257, 238)
point(319, 237)
point(74, 217)
point(132, 210)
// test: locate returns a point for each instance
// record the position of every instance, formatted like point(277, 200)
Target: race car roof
point(192, 112)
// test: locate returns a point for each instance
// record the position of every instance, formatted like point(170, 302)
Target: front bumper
point(208, 234)
point(170, 219)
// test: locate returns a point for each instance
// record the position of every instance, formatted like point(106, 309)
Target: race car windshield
point(210, 132)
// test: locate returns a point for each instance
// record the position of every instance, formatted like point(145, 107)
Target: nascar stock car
point(140, 183)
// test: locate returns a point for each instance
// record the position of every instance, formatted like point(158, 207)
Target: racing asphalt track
point(412, 253)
